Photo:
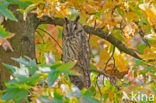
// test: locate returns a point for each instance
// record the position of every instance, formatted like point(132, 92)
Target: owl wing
point(84, 58)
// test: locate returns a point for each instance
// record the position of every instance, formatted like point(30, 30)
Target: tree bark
point(23, 42)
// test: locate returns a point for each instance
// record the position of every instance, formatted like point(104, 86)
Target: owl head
point(72, 28)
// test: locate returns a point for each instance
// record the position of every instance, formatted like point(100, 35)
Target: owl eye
point(74, 26)
point(67, 27)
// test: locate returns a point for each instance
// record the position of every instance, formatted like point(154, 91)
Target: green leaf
point(52, 76)
point(21, 61)
point(153, 89)
point(72, 15)
point(60, 34)
point(7, 13)
point(137, 10)
point(141, 48)
point(90, 99)
point(31, 64)
point(3, 33)
point(139, 62)
point(93, 90)
point(57, 98)
point(66, 68)
point(142, 72)
point(120, 12)
point(119, 36)
point(11, 68)
point(22, 94)
point(15, 93)
point(56, 65)
point(150, 69)
point(33, 1)
point(22, 74)
point(88, 96)
point(93, 66)
point(10, 94)
point(105, 96)
point(21, 4)
point(34, 78)
point(98, 15)
point(21, 78)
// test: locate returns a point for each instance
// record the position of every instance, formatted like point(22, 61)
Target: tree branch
point(112, 78)
point(98, 32)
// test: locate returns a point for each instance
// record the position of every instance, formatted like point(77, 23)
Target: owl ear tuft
point(77, 18)
point(66, 20)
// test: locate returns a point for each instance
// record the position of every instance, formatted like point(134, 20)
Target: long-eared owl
point(76, 47)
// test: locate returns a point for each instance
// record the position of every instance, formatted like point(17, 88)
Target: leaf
point(22, 74)
point(13, 93)
point(7, 13)
point(141, 48)
point(3, 33)
point(150, 69)
point(117, 33)
point(66, 68)
point(11, 68)
point(33, 79)
point(57, 98)
point(28, 9)
point(21, 78)
point(120, 12)
point(6, 44)
point(139, 62)
point(22, 4)
point(98, 15)
point(52, 77)
point(142, 72)
point(33, 1)
point(105, 96)
point(93, 66)
point(10, 94)
point(56, 65)
point(87, 96)
point(136, 9)
point(31, 64)
point(21, 61)
point(22, 94)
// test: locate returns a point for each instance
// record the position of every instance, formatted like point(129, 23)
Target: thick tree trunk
point(23, 42)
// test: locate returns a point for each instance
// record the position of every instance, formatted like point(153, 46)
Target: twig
point(94, 28)
point(106, 75)
point(98, 87)
point(141, 33)
point(113, 63)
point(51, 37)
point(109, 59)
point(100, 72)
point(113, 81)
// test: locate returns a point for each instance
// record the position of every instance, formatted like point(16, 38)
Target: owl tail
point(77, 81)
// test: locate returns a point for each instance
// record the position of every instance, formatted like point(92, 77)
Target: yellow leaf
point(104, 56)
point(28, 9)
point(2, 101)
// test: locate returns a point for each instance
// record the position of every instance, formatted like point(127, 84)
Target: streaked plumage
point(76, 47)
